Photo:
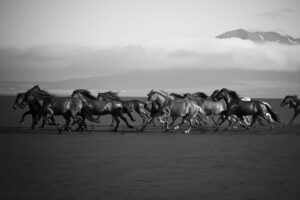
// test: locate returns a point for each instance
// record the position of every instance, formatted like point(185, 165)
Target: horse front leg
point(190, 127)
point(35, 119)
point(23, 116)
point(294, 116)
point(125, 120)
point(216, 123)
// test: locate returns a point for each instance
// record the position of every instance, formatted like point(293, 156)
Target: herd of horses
point(193, 109)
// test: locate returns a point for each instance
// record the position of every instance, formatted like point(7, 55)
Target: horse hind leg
point(125, 120)
point(117, 122)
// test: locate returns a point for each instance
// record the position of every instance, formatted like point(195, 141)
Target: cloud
point(276, 14)
point(59, 62)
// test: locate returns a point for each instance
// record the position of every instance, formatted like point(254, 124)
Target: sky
point(114, 22)
point(65, 39)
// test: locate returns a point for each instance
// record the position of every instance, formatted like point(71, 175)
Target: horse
point(68, 107)
point(34, 109)
point(210, 107)
point(101, 107)
point(168, 106)
point(293, 102)
point(129, 105)
point(247, 120)
point(243, 108)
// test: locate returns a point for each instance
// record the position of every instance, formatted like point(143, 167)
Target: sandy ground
point(231, 165)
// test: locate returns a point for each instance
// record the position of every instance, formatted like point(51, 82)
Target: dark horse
point(51, 105)
point(235, 106)
point(34, 108)
point(293, 102)
point(98, 107)
point(129, 105)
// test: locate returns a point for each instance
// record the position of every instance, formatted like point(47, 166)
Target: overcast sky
point(55, 40)
point(28, 23)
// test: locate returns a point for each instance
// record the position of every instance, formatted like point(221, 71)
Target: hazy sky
point(55, 40)
point(26, 23)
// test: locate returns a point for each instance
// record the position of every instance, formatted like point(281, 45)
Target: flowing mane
point(233, 94)
point(85, 93)
point(201, 95)
point(164, 94)
point(179, 96)
point(37, 90)
point(109, 95)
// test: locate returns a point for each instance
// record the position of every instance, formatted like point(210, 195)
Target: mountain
point(260, 37)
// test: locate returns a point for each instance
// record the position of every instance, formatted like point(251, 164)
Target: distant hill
point(260, 37)
point(267, 83)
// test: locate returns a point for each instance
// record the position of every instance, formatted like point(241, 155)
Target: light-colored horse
point(174, 108)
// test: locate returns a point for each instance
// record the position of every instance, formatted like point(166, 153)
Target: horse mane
point(201, 95)
point(37, 90)
point(233, 94)
point(110, 95)
point(85, 93)
point(179, 96)
point(164, 94)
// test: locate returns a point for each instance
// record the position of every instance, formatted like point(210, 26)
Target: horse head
point(19, 103)
point(214, 94)
point(289, 99)
point(228, 95)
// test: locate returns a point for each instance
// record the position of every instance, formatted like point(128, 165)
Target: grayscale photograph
point(149, 99)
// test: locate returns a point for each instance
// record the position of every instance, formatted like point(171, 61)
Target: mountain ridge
point(260, 37)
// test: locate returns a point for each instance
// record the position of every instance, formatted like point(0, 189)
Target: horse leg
point(44, 121)
point(125, 120)
point(35, 119)
point(216, 124)
point(268, 120)
point(150, 120)
point(130, 116)
point(295, 115)
point(190, 127)
point(223, 118)
point(23, 116)
point(112, 121)
point(260, 121)
point(117, 122)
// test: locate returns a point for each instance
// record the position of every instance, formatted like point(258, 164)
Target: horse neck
point(163, 101)
point(230, 100)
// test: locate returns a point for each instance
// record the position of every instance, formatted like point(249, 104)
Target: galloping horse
point(51, 105)
point(293, 102)
point(168, 106)
point(98, 107)
point(247, 120)
point(210, 108)
point(129, 105)
point(34, 109)
point(243, 108)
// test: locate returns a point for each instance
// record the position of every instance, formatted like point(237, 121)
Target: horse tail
point(273, 114)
